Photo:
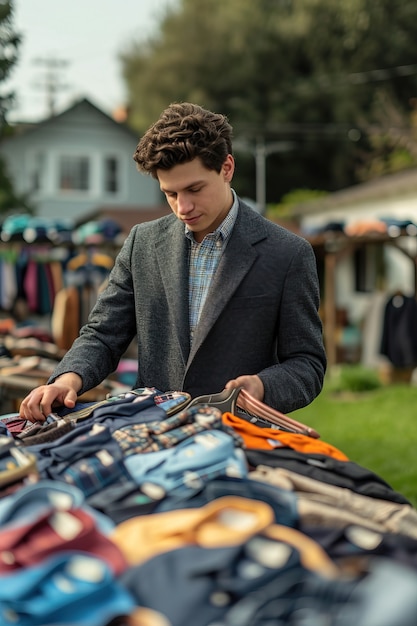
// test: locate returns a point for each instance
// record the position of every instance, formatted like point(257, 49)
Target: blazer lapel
point(172, 258)
point(238, 258)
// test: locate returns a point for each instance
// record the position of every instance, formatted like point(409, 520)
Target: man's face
point(199, 197)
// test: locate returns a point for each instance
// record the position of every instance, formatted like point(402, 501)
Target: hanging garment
point(8, 285)
point(65, 319)
point(399, 334)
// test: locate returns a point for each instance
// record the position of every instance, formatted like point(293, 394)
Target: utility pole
point(52, 83)
point(260, 151)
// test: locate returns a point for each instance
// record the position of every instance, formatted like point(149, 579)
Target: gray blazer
point(260, 316)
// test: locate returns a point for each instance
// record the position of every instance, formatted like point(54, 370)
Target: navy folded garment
point(282, 501)
point(69, 588)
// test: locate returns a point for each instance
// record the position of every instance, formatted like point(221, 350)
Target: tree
point(9, 45)
point(307, 72)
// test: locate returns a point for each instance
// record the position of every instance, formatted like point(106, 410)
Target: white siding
point(81, 131)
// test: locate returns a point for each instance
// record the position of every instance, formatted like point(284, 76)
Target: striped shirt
point(203, 261)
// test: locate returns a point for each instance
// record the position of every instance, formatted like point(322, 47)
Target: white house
point(79, 162)
point(365, 239)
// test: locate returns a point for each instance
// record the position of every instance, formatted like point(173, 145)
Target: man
point(216, 295)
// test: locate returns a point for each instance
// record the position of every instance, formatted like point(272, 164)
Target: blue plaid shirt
point(203, 262)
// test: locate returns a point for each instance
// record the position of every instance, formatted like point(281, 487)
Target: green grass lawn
point(376, 429)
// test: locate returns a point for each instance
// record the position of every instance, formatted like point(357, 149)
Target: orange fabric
point(7, 325)
point(146, 617)
point(366, 227)
point(258, 438)
point(226, 521)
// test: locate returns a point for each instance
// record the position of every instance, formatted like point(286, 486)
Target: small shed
point(365, 240)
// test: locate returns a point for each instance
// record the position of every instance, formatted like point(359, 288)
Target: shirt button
point(249, 570)
point(219, 598)
point(7, 557)
point(11, 616)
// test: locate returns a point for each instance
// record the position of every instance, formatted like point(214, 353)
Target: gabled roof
point(26, 127)
point(398, 184)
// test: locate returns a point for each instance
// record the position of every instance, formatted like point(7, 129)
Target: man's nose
point(184, 203)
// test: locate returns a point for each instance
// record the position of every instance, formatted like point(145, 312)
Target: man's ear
point(228, 168)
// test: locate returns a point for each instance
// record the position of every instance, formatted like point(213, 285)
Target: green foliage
point(386, 160)
point(9, 200)
point(291, 199)
point(354, 378)
point(310, 72)
point(9, 44)
point(374, 429)
point(392, 137)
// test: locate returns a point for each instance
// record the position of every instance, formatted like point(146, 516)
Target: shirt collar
point(226, 227)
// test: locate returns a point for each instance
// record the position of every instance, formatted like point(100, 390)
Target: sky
point(79, 41)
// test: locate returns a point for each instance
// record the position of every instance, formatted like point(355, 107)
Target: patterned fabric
point(188, 465)
point(13, 424)
point(16, 464)
point(204, 259)
point(144, 396)
point(172, 401)
point(94, 472)
point(86, 457)
point(161, 435)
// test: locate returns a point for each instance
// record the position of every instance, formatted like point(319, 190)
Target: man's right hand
point(40, 401)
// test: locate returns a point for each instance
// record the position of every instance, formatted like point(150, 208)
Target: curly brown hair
point(183, 132)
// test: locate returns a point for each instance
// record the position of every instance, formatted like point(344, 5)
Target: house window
point(111, 175)
point(369, 267)
point(74, 173)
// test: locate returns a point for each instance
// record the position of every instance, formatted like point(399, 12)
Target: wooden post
point(330, 308)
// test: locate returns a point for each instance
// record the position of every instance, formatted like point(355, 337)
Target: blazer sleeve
point(101, 343)
point(298, 376)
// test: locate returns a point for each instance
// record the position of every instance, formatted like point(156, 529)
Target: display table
point(13, 388)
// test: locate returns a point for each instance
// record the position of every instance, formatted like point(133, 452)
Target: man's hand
point(251, 384)
point(40, 401)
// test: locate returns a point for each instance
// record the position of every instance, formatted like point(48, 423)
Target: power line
point(329, 81)
point(51, 83)
point(382, 74)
